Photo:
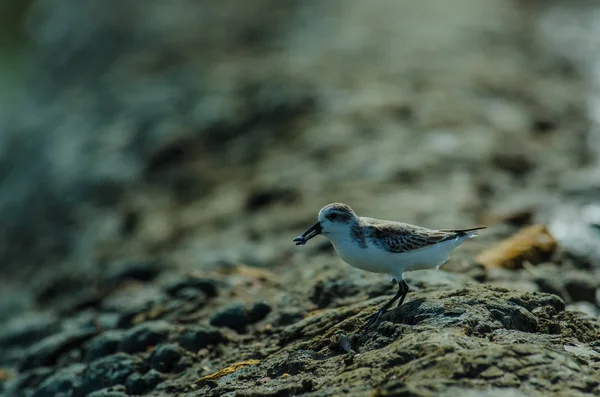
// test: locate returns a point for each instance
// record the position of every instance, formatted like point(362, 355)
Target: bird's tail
point(470, 232)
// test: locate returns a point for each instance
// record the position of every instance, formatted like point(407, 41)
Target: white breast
point(373, 259)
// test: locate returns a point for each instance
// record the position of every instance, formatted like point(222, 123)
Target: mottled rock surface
point(160, 156)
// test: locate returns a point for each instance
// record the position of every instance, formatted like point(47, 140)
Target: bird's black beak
point(310, 233)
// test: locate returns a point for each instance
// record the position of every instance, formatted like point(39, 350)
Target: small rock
point(165, 356)
point(48, 350)
point(151, 333)
point(108, 371)
point(64, 381)
point(234, 317)
point(152, 378)
point(258, 311)
point(194, 339)
point(105, 344)
point(534, 244)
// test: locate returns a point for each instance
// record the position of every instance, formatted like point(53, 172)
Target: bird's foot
point(372, 319)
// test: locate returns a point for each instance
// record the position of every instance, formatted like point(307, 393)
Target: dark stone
point(105, 344)
point(152, 378)
point(142, 336)
point(140, 271)
point(258, 311)
point(66, 381)
point(234, 317)
point(165, 356)
point(108, 371)
point(48, 350)
point(194, 339)
point(135, 384)
point(205, 285)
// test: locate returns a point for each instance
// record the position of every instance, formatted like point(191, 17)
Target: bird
point(386, 247)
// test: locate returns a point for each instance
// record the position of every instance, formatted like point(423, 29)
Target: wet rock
point(105, 344)
point(165, 356)
point(48, 350)
point(108, 371)
point(533, 244)
point(142, 336)
point(63, 382)
point(196, 338)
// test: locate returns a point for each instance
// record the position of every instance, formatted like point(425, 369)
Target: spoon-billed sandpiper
point(386, 247)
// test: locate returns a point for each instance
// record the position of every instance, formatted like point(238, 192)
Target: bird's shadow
point(405, 314)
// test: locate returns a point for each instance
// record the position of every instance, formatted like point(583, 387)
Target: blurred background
point(196, 134)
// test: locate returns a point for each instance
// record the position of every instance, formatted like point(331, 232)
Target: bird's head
point(334, 220)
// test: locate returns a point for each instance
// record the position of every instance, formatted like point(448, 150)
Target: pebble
point(165, 356)
point(234, 317)
point(196, 338)
point(142, 336)
point(108, 371)
point(237, 317)
point(105, 344)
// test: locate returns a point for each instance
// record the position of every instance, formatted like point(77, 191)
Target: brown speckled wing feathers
point(402, 237)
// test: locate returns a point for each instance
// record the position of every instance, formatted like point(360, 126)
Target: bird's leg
point(405, 293)
point(401, 294)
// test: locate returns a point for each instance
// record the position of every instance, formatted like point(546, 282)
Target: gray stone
point(145, 335)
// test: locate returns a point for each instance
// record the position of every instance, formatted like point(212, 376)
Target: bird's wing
point(401, 237)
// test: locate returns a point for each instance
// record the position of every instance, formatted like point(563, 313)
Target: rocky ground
point(157, 166)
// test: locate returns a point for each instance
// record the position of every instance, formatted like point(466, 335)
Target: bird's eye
point(332, 216)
